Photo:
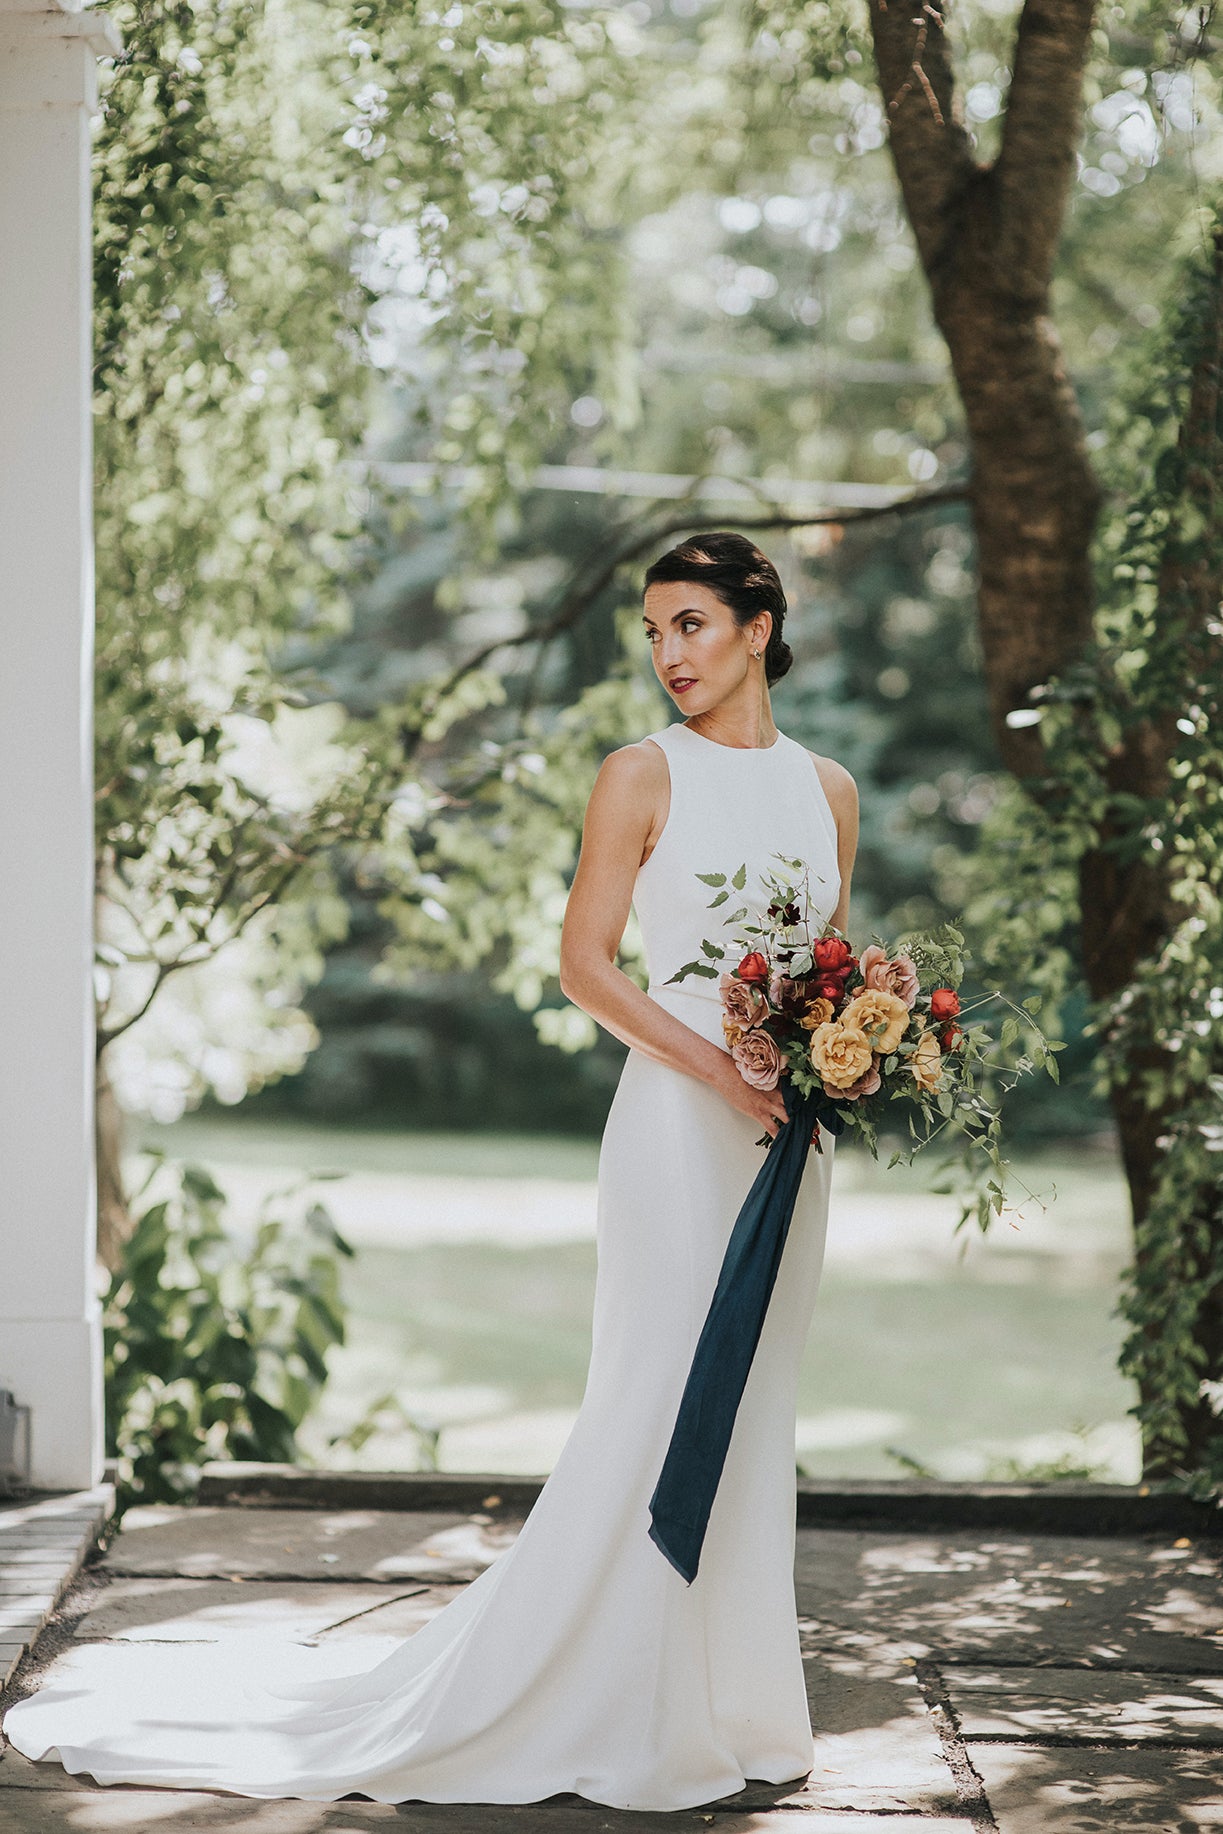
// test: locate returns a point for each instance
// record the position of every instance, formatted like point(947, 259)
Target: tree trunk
point(114, 1216)
point(987, 237)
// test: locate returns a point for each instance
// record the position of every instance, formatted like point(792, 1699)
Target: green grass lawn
point(958, 1363)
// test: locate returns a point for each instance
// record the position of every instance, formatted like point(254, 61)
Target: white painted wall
point(49, 1325)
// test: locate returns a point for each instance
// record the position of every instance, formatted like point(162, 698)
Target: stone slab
point(361, 1544)
point(1097, 1706)
point(207, 1610)
point(1056, 1790)
point(23, 1607)
point(876, 1746)
point(48, 1534)
point(41, 1555)
point(1146, 1604)
point(42, 1578)
point(38, 1811)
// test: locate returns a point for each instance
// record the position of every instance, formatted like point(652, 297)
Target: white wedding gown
point(580, 1659)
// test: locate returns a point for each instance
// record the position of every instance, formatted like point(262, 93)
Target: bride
point(581, 1660)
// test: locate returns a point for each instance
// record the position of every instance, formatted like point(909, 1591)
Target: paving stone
point(23, 1632)
point(1060, 1790)
point(41, 1556)
point(206, 1610)
point(53, 1538)
point(30, 1808)
point(1096, 1706)
point(62, 1503)
point(21, 1609)
point(876, 1745)
point(42, 1578)
point(377, 1544)
point(1063, 1599)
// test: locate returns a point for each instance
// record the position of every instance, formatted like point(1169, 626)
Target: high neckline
point(684, 727)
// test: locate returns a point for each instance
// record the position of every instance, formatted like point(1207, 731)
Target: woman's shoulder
point(838, 784)
point(636, 767)
point(642, 758)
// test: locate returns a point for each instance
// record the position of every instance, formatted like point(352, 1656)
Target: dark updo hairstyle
point(736, 572)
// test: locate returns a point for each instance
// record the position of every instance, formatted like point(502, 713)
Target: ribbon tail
point(721, 1363)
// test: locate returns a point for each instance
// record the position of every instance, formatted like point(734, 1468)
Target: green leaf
point(712, 949)
point(712, 878)
point(740, 878)
point(714, 902)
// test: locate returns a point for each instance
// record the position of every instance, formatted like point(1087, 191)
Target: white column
point(50, 1338)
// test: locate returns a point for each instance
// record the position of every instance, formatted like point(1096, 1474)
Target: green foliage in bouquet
point(214, 1349)
point(883, 1035)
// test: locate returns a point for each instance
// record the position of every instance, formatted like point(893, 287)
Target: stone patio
point(961, 1682)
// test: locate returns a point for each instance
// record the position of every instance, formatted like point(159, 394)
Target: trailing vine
point(1113, 868)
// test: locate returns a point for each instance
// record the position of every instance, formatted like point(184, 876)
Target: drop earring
point(756, 654)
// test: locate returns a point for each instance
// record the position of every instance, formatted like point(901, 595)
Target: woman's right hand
point(766, 1107)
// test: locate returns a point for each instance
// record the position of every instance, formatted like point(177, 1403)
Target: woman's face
point(701, 655)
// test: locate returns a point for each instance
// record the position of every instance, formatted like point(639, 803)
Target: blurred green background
point(471, 1289)
point(374, 390)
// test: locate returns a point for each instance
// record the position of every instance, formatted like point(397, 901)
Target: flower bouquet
point(861, 1032)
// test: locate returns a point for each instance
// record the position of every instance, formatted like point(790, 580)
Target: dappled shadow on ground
point(1057, 1685)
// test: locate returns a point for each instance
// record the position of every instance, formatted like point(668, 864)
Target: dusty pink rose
point(759, 1060)
point(866, 1084)
point(786, 995)
point(889, 975)
point(743, 1002)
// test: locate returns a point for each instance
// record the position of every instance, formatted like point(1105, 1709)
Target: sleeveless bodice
point(728, 808)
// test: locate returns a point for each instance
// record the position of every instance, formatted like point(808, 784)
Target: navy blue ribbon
point(692, 1468)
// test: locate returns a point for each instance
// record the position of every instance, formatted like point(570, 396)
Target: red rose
point(753, 967)
point(829, 987)
point(944, 1003)
point(832, 955)
point(949, 1037)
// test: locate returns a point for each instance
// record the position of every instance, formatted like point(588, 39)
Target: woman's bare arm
point(629, 791)
point(842, 794)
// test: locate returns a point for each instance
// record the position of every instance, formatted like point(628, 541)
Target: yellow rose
point(840, 1053)
point(816, 1012)
point(926, 1062)
point(883, 1016)
point(732, 1033)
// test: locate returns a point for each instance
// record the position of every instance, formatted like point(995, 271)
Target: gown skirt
point(579, 1660)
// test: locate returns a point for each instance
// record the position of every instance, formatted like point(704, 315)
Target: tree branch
point(930, 147)
point(1040, 132)
point(582, 591)
point(203, 951)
